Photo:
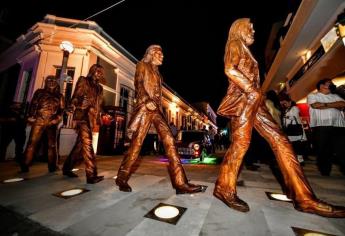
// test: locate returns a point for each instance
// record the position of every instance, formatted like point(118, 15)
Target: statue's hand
point(70, 110)
point(151, 106)
point(31, 119)
point(54, 122)
point(85, 102)
point(254, 94)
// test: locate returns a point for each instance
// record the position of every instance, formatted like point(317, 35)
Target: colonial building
point(41, 52)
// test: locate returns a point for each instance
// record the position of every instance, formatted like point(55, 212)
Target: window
point(110, 75)
point(125, 97)
point(24, 86)
point(109, 97)
point(177, 120)
point(68, 83)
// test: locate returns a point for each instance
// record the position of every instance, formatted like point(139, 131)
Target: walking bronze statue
point(244, 105)
point(148, 110)
point(86, 106)
point(45, 113)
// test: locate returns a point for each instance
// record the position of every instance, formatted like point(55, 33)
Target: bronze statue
point(45, 113)
point(148, 110)
point(86, 105)
point(244, 105)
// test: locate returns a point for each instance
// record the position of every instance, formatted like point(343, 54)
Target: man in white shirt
point(328, 126)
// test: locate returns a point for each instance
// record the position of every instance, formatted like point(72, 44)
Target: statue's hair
point(93, 69)
point(52, 77)
point(235, 31)
point(149, 52)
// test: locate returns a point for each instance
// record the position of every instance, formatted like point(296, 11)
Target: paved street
point(30, 208)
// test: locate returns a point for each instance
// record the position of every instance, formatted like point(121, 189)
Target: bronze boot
point(180, 182)
point(121, 181)
point(320, 208)
point(230, 199)
point(94, 179)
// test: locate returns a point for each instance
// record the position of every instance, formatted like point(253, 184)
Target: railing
point(312, 60)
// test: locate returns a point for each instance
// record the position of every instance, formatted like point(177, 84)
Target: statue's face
point(98, 74)
point(248, 34)
point(51, 83)
point(157, 57)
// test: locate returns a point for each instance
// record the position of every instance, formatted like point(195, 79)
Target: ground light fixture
point(278, 197)
point(166, 213)
point(308, 232)
point(13, 180)
point(70, 193)
point(75, 169)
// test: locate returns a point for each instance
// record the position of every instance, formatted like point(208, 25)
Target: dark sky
point(192, 33)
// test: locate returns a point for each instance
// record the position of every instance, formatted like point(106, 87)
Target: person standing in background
point(291, 116)
point(327, 122)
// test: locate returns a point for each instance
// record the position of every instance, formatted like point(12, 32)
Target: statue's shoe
point(321, 208)
point(232, 201)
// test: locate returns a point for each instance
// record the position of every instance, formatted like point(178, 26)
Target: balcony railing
point(312, 60)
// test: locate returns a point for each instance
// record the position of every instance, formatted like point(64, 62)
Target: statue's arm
point(140, 77)
point(34, 105)
point(58, 118)
point(78, 94)
point(233, 73)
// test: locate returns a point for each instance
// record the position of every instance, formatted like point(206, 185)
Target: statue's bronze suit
point(148, 110)
point(45, 114)
point(86, 103)
point(244, 104)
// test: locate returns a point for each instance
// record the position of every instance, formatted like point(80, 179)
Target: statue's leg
point(74, 157)
point(52, 151)
point(87, 151)
point(225, 188)
point(241, 131)
point(176, 171)
point(129, 159)
point(299, 189)
point(35, 136)
point(295, 181)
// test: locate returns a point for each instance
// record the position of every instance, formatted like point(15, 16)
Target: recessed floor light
point(166, 213)
point(278, 197)
point(75, 169)
point(13, 180)
point(308, 232)
point(71, 193)
point(115, 177)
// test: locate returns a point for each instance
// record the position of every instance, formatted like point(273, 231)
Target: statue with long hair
point(45, 113)
point(148, 110)
point(86, 105)
point(244, 105)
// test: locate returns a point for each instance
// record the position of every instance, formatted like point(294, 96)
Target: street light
point(67, 48)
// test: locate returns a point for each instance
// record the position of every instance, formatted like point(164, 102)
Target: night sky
point(192, 33)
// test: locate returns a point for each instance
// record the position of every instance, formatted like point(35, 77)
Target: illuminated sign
point(329, 39)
